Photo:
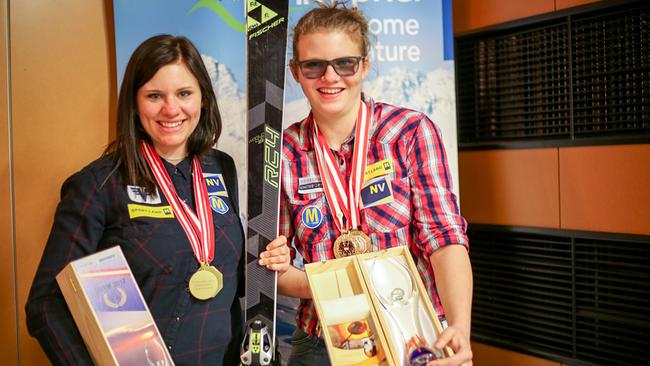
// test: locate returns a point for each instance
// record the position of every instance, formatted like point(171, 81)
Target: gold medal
point(217, 273)
point(351, 242)
point(206, 282)
point(361, 239)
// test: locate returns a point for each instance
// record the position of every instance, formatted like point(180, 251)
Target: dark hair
point(334, 16)
point(146, 60)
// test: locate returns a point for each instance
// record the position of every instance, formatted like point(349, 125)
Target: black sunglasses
point(343, 66)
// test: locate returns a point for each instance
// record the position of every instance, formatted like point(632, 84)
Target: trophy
point(397, 293)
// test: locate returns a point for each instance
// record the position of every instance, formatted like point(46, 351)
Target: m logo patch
point(218, 204)
point(312, 217)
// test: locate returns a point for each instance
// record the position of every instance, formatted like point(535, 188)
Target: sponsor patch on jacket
point(157, 212)
point(139, 195)
point(311, 184)
point(376, 192)
point(218, 204)
point(377, 169)
point(215, 184)
point(312, 217)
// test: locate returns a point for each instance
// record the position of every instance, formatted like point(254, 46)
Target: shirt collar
point(184, 167)
point(306, 128)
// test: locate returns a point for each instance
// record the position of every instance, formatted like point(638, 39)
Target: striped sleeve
point(437, 218)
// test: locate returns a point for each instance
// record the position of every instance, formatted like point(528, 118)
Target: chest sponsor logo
point(215, 184)
point(377, 169)
point(157, 212)
point(376, 192)
point(218, 204)
point(312, 217)
point(140, 195)
point(311, 184)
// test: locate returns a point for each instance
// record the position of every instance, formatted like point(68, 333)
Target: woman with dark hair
point(332, 160)
point(144, 195)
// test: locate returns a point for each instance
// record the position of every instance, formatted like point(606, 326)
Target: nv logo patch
point(376, 192)
point(215, 184)
point(258, 14)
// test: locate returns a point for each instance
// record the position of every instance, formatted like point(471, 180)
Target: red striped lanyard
point(198, 227)
point(344, 204)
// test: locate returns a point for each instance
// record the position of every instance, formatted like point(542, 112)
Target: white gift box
point(110, 313)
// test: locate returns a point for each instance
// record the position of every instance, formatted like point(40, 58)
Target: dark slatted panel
point(611, 70)
point(573, 80)
point(523, 290)
point(520, 84)
point(613, 301)
point(562, 295)
point(466, 73)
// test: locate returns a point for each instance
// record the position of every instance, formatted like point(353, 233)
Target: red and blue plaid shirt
point(407, 195)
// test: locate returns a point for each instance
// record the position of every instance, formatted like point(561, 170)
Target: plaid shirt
point(420, 210)
point(92, 216)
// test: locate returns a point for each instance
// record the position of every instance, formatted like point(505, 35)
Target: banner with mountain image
point(411, 66)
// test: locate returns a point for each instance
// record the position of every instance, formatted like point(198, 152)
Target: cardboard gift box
point(108, 308)
point(371, 305)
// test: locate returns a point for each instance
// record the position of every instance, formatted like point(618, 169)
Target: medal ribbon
point(344, 204)
point(198, 227)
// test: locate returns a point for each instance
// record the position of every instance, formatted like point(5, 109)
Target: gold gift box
point(109, 311)
point(356, 327)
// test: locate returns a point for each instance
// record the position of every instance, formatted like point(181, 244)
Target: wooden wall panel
point(8, 338)
point(61, 53)
point(510, 187)
point(564, 4)
point(473, 14)
point(606, 188)
point(485, 355)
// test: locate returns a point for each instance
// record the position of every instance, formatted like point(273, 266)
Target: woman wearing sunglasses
point(361, 175)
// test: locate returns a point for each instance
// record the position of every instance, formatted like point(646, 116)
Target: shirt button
point(169, 347)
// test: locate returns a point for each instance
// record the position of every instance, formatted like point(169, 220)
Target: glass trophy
point(411, 325)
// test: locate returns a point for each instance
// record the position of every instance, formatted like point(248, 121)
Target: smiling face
point(332, 97)
point(169, 107)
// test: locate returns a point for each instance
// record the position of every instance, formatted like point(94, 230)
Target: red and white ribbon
point(343, 199)
point(198, 226)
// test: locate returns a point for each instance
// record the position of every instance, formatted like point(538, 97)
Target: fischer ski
point(266, 26)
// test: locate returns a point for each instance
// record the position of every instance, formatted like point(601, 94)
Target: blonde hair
point(334, 16)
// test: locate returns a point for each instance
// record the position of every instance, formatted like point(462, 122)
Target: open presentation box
point(381, 291)
point(110, 313)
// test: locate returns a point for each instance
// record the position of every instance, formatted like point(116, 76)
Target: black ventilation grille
point(522, 86)
point(562, 296)
point(522, 289)
point(611, 73)
point(612, 301)
point(574, 78)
